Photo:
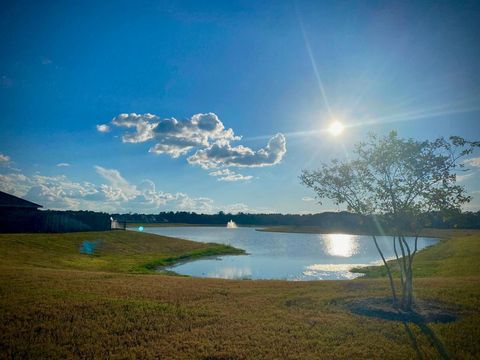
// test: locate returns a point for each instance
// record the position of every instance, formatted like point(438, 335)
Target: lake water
point(286, 256)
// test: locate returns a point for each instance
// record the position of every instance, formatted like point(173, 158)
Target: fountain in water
point(231, 225)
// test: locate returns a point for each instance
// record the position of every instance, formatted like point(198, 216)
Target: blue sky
point(255, 67)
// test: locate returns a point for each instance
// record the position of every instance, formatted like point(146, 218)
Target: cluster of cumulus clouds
point(203, 139)
point(113, 194)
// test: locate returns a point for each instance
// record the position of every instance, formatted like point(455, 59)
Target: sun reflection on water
point(342, 245)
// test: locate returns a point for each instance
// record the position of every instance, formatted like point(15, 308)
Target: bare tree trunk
point(405, 270)
point(407, 306)
point(392, 285)
point(416, 247)
point(402, 272)
point(410, 293)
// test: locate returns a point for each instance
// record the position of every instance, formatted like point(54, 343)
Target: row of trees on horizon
point(342, 220)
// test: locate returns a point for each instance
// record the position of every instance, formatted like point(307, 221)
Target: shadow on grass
point(424, 312)
point(413, 340)
point(432, 338)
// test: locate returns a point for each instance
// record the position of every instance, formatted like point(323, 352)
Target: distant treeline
point(14, 220)
point(327, 220)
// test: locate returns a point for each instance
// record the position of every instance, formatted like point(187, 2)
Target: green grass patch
point(213, 250)
point(456, 254)
point(117, 251)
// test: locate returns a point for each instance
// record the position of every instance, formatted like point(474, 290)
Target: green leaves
point(399, 178)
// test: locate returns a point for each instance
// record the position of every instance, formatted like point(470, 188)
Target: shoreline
point(294, 229)
point(364, 271)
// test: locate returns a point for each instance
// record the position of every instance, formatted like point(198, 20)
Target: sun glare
point(336, 128)
point(342, 245)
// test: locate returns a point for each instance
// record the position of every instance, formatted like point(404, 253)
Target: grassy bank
point(117, 251)
point(57, 305)
point(453, 256)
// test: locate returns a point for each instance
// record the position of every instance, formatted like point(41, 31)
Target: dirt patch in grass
point(423, 311)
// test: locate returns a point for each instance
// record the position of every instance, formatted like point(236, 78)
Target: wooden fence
point(23, 220)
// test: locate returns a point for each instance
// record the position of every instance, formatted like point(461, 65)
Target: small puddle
point(88, 246)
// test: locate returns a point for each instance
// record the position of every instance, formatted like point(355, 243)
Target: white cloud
point(4, 158)
point(174, 137)
point(58, 192)
point(63, 165)
point(15, 184)
point(219, 154)
point(203, 133)
point(103, 128)
point(473, 206)
point(308, 199)
point(464, 177)
point(115, 195)
point(240, 207)
point(7, 163)
point(475, 162)
point(229, 175)
point(117, 188)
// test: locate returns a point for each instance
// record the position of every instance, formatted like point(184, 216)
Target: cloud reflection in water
point(230, 272)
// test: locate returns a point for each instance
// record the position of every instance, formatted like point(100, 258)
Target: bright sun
point(336, 128)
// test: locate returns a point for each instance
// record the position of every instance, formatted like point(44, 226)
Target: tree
point(396, 182)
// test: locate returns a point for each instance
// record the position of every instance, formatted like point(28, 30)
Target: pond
point(287, 256)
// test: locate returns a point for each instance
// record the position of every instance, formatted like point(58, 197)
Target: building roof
point(7, 200)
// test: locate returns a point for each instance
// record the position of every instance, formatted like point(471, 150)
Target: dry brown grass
point(66, 312)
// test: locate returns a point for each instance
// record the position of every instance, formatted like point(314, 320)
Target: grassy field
point(58, 303)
